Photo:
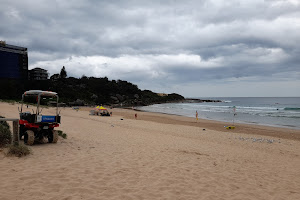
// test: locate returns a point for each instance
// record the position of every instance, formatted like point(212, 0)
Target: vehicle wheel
point(29, 137)
point(53, 137)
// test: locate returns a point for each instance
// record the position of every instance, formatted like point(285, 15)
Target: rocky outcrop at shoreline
point(189, 100)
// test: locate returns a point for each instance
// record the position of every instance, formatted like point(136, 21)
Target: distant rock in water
point(189, 100)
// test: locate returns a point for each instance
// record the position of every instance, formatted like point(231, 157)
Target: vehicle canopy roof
point(40, 92)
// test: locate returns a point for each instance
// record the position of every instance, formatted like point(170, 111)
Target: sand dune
point(154, 157)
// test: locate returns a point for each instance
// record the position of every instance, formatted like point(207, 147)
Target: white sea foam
point(256, 110)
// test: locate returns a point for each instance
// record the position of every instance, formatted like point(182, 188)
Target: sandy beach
point(155, 156)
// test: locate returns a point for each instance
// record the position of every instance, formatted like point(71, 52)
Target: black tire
point(53, 136)
point(29, 137)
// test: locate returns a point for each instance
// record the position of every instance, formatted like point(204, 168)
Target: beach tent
point(101, 108)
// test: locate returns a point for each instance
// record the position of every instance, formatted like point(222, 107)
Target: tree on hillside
point(54, 77)
point(63, 72)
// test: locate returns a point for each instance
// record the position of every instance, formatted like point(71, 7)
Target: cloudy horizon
point(207, 48)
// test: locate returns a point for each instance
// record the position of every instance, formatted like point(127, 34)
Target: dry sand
point(154, 157)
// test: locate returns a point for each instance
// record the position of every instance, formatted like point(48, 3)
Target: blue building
point(13, 62)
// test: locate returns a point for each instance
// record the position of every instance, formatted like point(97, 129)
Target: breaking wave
point(287, 108)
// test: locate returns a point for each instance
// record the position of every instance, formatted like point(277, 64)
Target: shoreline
point(236, 122)
point(166, 118)
point(175, 119)
point(273, 112)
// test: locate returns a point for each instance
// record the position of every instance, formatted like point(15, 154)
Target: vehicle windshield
point(39, 99)
point(45, 100)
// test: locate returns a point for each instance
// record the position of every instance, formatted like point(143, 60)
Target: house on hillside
point(38, 74)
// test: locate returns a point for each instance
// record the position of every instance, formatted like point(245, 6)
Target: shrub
point(5, 135)
point(18, 150)
point(62, 134)
point(4, 123)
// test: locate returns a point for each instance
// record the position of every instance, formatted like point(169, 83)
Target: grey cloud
point(242, 34)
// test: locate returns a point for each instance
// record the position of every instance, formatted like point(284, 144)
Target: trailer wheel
point(29, 137)
point(53, 137)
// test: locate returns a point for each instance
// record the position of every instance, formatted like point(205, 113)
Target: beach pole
point(16, 138)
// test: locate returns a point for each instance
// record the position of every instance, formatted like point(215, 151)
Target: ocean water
point(270, 111)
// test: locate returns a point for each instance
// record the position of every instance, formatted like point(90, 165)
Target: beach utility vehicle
point(36, 127)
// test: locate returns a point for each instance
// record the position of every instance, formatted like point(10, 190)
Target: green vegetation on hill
point(87, 90)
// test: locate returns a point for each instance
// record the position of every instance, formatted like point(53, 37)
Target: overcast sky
point(200, 48)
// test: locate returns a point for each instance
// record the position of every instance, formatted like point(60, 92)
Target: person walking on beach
point(135, 116)
point(196, 115)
